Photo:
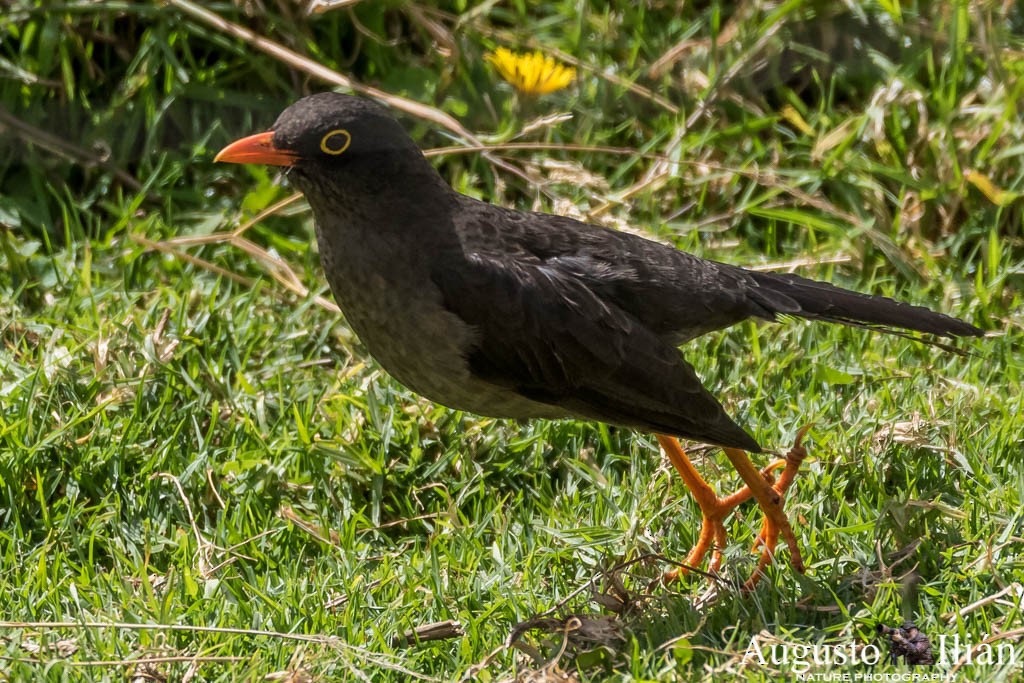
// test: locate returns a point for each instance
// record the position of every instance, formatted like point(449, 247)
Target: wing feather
point(547, 335)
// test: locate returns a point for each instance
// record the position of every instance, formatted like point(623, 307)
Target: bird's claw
point(715, 509)
point(772, 528)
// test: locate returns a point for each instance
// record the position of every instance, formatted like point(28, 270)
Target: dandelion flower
point(533, 74)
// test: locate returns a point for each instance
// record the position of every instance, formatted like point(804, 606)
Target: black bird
point(518, 314)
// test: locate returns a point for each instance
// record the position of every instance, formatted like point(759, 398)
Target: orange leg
point(714, 510)
point(771, 529)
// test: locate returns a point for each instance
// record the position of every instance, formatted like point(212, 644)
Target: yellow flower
point(533, 74)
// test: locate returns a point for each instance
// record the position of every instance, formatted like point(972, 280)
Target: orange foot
point(759, 485)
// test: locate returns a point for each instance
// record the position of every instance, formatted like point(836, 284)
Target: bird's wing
point(680, 296)
point(676, 295)
point(544, 332)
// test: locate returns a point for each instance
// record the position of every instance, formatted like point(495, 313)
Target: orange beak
point(257, 149)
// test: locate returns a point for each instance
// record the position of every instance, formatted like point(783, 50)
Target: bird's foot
point(714, 509)
point(776, 523)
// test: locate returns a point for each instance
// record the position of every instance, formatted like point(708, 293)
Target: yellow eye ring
point(329, 142)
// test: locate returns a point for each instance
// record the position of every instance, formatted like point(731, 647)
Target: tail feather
point(795, 295)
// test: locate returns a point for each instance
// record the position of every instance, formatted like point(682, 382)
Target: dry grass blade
point(631, 86)
point(472, 18)
point(381, 660)
point(169, 659)
point(297, 61)
point(69, 150)
point(322, 6)
point(276, 267)
point(659, 172)
point(320, 533)
point(448, 46)
point(541, 146)
point(439, 630)
point(194, 260)
point(796, 264)
point(1014, 589)
point(240, 230)
point(656, 175)
point(725, 36)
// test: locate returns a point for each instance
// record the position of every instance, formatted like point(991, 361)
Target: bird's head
point(325, 135)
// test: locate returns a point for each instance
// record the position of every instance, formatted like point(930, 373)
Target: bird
point(527, 315)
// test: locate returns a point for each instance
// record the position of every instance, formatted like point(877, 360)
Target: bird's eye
point(335, 142)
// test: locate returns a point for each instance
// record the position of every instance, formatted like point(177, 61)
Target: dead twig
point(70, 151)
point(317, 70)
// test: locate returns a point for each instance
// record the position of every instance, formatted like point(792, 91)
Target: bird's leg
point(759, 485)
point(772, 528)
point(713, 509)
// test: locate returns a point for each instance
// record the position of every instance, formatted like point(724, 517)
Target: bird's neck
point(394, 215)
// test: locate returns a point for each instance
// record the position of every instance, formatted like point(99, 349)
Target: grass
point(204, 477)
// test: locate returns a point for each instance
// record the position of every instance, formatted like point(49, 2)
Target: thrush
point(519, 314)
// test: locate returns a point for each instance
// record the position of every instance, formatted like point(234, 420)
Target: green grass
point(185, 442)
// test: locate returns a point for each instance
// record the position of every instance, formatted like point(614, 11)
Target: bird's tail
point(794, 295)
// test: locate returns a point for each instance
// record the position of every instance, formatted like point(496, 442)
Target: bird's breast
point(387, 297)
